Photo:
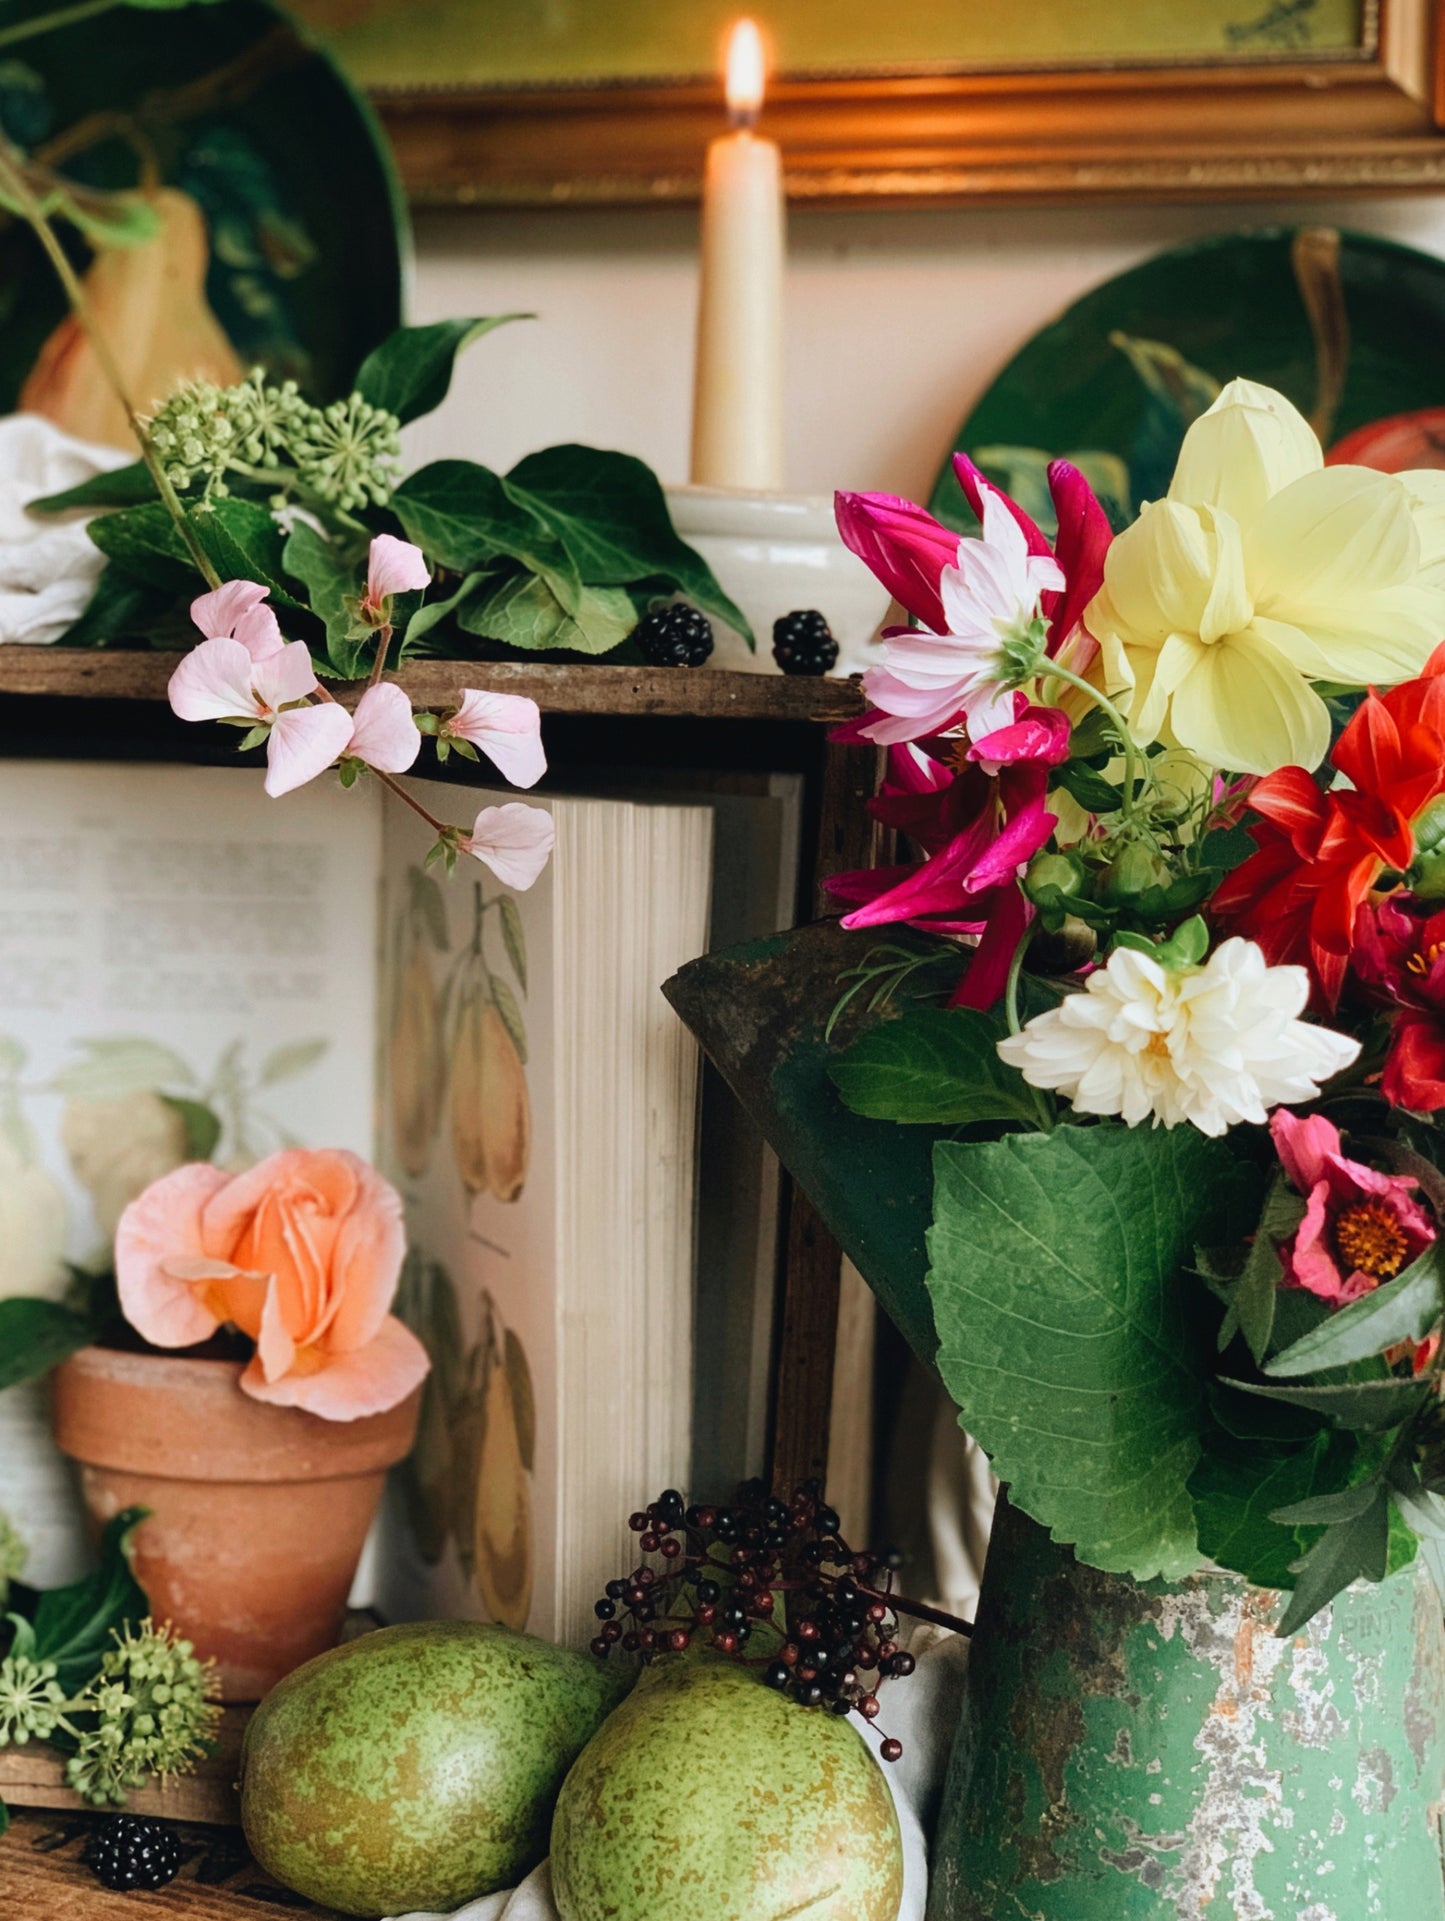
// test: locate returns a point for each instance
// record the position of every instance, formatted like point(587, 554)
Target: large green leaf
point(121, 608)
point(610, 513)
point(933, 1065)
point(1405, 1309)
point(1066, 1336)
point(463, 515)
point(409, 374)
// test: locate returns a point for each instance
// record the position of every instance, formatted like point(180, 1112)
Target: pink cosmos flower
point(393, 567)
point(224, 679)
point(302, 1252)
point(514, 840)
point(973, 598)
point(235, 612)
point(1360, 1227)
point(384, 732)
point(978, 834)
point(508, 730)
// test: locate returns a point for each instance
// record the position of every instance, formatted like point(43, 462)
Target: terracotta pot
point(259, 1513)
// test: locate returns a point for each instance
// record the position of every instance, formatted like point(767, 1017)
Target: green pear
point(707, 1793)
point(418, 1766)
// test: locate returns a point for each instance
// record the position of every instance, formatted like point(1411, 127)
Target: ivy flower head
point(32, 1701)
point(1261, 573)
point(1168, 1038)
point(150, 1710)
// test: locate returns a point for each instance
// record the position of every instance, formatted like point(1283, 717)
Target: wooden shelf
point(43, 1877)
point(685, 693)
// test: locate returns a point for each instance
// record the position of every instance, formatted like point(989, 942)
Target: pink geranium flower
point(1360, 1227)
point(384, 732)
point(393, 567)
point(508, 730)
point(514, 840)
point(225, 679)
point(302, 1253)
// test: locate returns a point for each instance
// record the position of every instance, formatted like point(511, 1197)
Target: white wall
point(897, 321)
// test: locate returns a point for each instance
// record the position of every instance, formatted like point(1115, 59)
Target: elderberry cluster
point(769, 1582)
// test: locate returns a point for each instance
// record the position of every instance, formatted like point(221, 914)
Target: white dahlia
point(1214, 1044)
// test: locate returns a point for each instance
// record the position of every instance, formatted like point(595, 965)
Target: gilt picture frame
point(540, 103)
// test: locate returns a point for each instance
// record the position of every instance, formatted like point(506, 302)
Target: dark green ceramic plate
point(1349, 326)
point(234, 105)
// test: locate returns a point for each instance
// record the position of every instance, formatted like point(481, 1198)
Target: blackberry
point(128, 1852)
point(675, 636)
point(803, 643)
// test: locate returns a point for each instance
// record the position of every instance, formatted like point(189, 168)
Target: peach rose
point(302, 1252)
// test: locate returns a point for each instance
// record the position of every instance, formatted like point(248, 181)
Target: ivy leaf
point(240, 537)
point(1353, 1548)
point(463, 516)
point(611, 514)
point(331, 575)
point(932, 1065)
point(1404, 1309)
point(121, 608)
point(522, 611)
point(409, 374)
point(121, 487)
point(74, 1625)
point(37, 1335)
point(1065, 1330)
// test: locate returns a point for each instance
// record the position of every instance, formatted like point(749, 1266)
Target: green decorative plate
point(282, 228)
point(1349, 326)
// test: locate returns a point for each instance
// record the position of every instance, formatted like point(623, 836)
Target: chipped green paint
point(418, 1766)
point(709, 1797)
point(1155, 1752)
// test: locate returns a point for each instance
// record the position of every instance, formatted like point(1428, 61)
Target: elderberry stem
point(918, 1610)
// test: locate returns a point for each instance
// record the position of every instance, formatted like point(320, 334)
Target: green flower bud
point(1048, 873)
point(1132, 872)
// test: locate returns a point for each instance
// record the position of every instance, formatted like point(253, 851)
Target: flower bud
point(1048, 873)
point(1132, 872)
point(1426, 875)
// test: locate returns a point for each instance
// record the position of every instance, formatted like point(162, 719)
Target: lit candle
point(737, 416)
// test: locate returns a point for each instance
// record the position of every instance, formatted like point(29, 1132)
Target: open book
point(189, 969)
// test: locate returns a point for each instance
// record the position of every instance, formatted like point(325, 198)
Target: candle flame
point(746, 71)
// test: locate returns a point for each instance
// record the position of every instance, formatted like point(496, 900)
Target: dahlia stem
point(1134, 772)
point(17, 188)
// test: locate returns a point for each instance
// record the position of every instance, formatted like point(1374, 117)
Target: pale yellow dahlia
point(1262, 572)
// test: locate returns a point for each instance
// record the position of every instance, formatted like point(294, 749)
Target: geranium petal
point(213, 682)
point(394, 567)
point(219, 611)
point(384, 732)
point(259, 632)
point(165, 1224)
point(285, 676)
point(344, 1387)
point(514, 840)
point(303, 743)
point(508, 730)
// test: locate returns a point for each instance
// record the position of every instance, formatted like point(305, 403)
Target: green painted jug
point(1154, 1752)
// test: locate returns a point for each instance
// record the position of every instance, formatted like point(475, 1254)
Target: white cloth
point(922, 1712)
point(48, 563)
